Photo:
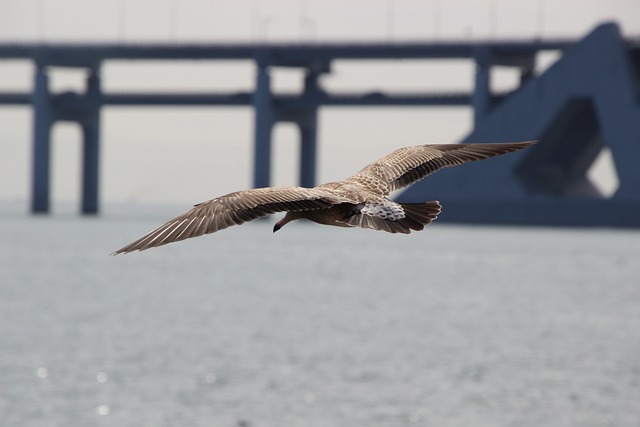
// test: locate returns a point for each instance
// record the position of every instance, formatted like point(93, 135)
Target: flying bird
point(361, 200)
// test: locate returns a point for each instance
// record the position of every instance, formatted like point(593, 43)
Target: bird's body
point(361, 200)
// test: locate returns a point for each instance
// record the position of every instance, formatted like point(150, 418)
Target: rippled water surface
point(317, 326)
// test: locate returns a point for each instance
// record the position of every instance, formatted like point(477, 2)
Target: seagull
point(361, 200)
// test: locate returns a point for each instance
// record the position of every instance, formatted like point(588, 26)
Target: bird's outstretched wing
point(407, 165)
point(233, 209)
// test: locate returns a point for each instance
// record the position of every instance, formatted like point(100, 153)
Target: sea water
point(317, 326)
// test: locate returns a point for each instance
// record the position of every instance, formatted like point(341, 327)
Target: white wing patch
point(387, 210)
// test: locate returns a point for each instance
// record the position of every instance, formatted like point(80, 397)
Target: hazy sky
point(188, 155)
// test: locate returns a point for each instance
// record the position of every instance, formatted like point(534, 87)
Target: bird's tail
point(417, 215)
point(387, 217)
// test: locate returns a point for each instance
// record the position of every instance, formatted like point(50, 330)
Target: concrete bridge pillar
point(83, 109)
point(481, 98)
point(43, 119)
point(305, 116)
point(264, 119)
point(308, 125)
point(90, 122)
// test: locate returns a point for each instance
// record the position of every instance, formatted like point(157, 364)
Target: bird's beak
point(282, 222)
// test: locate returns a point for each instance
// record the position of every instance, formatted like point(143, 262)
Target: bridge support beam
point(90, 122)
point(267, 114)
point(308, 125)
point(308, 151)
point(482, 93)
point(43, 119)
point(46, 113)
point(264, 119)
point(90, 166)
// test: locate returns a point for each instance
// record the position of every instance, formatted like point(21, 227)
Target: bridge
point(302, 109)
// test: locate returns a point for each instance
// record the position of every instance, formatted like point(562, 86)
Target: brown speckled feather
point(407, 165)
point(234, 209)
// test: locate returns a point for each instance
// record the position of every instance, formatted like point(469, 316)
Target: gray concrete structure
point(587, 100)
